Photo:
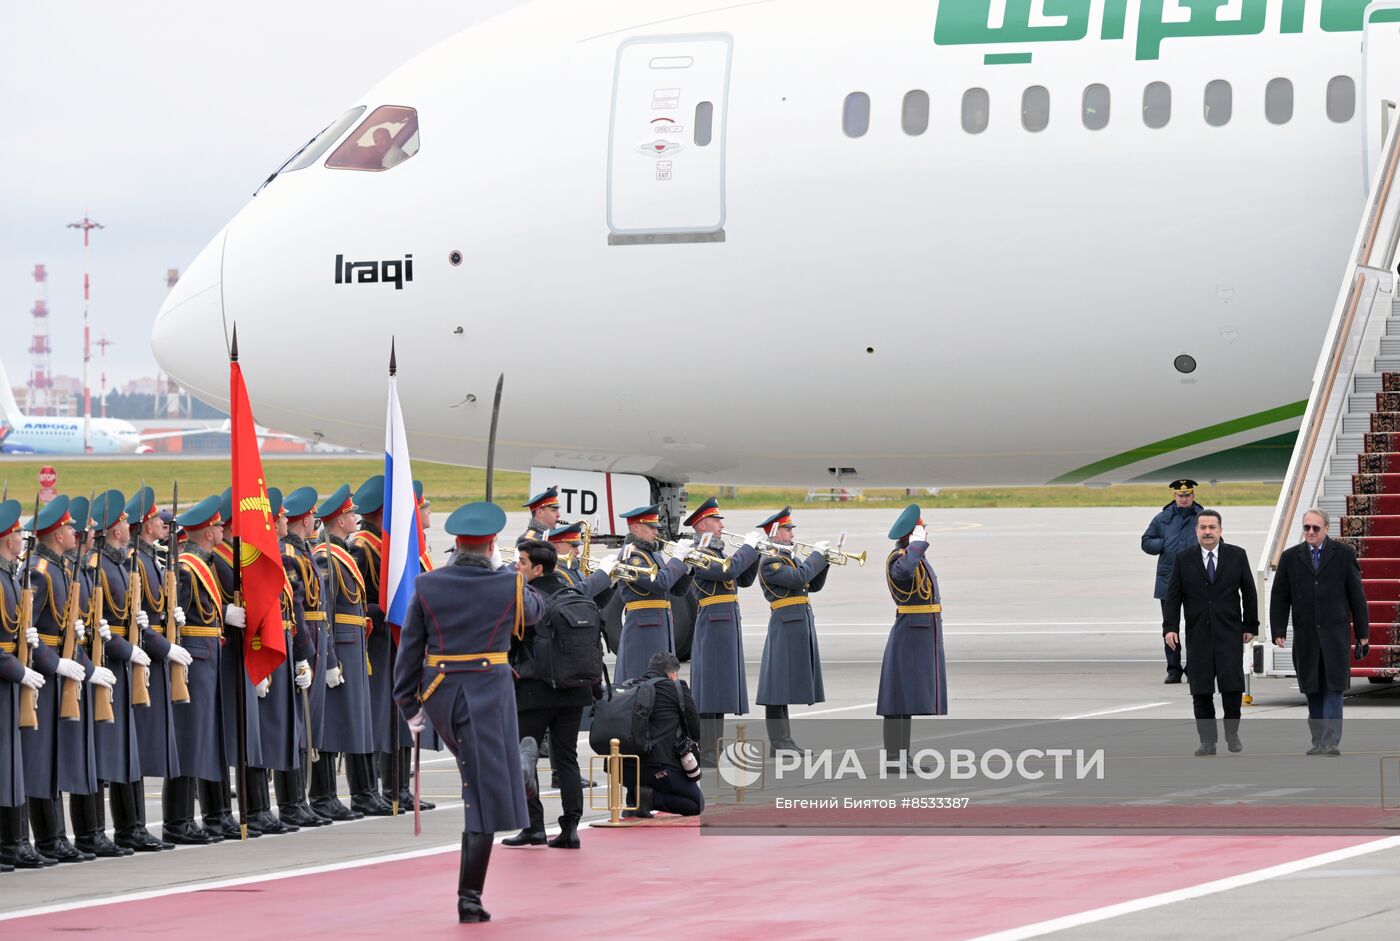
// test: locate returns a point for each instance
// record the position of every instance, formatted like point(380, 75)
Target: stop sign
point(48, 480)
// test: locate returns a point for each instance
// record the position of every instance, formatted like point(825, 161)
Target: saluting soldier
point(15, 849)
point(58, 755)
point(913, 678)
point(791, 669)
point(203, 748)
point(347, 725)
point(118, 750)
point(155, 726)
point(367, 547)
point(598, 584)
point(544, 516)
point(231, 672)
point(646, 600)
point(717, 674)
point(298, 511)
point(453, 671)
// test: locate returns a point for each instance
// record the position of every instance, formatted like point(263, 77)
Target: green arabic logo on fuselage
point(1003, 22)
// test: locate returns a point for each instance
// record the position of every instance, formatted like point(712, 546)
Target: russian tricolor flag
point(403, 535)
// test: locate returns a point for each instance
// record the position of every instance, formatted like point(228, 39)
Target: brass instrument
point(514, 554)
point(693, 557)
point(622, 571)
point(835, 556)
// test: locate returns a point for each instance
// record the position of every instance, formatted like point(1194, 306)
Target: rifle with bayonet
point(140, 675)
point(102, 695)
point(28, 698)
point(179, 673)
point(70, 699)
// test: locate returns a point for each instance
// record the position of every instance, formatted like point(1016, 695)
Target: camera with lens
point(686, 749)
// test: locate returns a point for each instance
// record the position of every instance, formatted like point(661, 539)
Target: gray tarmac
point(1048, 615)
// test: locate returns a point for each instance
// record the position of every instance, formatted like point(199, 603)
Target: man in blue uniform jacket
point(453, 671)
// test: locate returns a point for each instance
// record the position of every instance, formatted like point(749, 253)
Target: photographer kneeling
point(670, 774)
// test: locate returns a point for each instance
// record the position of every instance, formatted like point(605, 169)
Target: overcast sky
point(160, 119)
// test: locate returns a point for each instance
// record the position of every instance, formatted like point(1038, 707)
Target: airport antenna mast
point(87, 225)
point(102, 345)
point(39, 395)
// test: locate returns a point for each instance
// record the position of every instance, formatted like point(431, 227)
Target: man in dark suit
point(1213, 581)
point(1319, 581)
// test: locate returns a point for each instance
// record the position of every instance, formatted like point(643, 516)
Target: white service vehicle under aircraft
point(780, 242)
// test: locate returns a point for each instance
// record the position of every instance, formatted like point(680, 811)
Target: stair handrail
point(1371, 266)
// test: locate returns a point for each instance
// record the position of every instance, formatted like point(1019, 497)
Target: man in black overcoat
point(1212, 580)
point(1319, 583)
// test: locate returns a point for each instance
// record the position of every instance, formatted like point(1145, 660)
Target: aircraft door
point(667, 139)
point(1380, 80)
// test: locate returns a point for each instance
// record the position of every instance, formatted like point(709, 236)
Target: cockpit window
point(322, 141)
point(386, 138)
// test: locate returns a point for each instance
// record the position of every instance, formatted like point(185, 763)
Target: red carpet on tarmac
point(625, 883)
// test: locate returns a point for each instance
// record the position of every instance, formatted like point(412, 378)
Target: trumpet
point(621, 571)
point(509, 553)
point(835, 555)
point(693, 557)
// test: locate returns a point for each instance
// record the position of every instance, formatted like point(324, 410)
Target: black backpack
point(625, 714)
point(568, 649)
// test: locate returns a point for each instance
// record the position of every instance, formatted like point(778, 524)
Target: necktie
point(1317, 557)
point(1210, 567)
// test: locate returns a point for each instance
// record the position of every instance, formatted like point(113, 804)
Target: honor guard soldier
point(280, 730)
point(913, 678)
point(791, 670)
point(15, 849)
point(347, 724)
point(544, 516)
point(646, 600)
point(297, 561)
point(367, 547)
point(597, 585)
point(231, 673)
point(717, 674)
point(199, 724)
point(118, 751)
point(155, 726)
point(453, 671)
point(58, 754)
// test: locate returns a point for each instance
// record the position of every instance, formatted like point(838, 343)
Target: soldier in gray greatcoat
point(791, 670)
point(15, 848)
point(646, 600)
point(347, 722)
point(453, 671)
point(913, 678)
point(718, 677)
point(367, 548)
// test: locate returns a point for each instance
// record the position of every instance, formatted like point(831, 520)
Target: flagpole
point(240, 687)
point(393, 706)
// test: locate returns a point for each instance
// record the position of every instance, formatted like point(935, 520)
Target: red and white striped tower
point(39, 400)
point(102, 345)
point(87, 225)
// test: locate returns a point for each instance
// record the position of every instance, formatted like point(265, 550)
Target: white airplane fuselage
point(935, 308)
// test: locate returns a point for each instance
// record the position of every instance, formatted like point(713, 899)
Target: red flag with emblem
point(264, 642)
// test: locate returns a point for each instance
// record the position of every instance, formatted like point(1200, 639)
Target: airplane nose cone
point(188, 338)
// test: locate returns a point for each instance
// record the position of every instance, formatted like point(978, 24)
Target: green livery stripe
point(1006, 58)
point(1189, 439)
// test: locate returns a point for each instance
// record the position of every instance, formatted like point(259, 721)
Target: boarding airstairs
point(1347, 457)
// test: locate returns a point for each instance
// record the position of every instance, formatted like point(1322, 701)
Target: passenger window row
point(1096, 105)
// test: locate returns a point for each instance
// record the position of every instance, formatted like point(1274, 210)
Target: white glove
point(333, 677)
point(71, 670)
point(920, 534)
point(754, 539)
point(32, 636)
point(679, 548)
point(234, 616)
point(819, 548)
point(263, 687)
point(607, 564)
point(419, 723)
point(104, 629)
point(101, 676)
point(33, 679)
point(179, 616)
point(496, 561)
point(140, 657)
point(179, 655)
point(143, 620)
point(303, 674)
point(80, 629)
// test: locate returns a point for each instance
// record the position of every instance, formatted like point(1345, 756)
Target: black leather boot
point(364, 799)
point(779, 730)
point(49, 838)
point(130, 831)
point(91, 835)
point(15, 848)
point(177, 809)
point(471, 877)
point(260, 816)
point(711, 728)
point(291, 805)
point(568, 835)
point(324, 799)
